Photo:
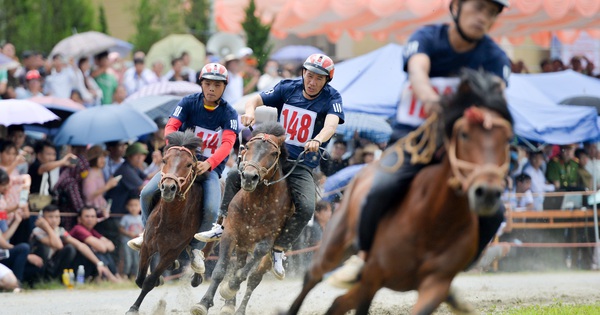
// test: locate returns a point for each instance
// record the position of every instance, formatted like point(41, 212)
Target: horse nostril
point(162, 187)
point(255, 177)
point(479, 192)
point(498, 194)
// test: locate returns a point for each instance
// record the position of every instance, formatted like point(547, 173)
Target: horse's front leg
point(432, 291)
point(254, 280)
point(230, 288)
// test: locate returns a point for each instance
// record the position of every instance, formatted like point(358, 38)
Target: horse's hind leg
point(254, 280)
point(217, 277)
point(459, 305)
point(144, 264)
point(151, 280)
point(432, 292)
point(359, 297)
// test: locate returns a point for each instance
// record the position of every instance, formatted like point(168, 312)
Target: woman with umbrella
point(215, 122)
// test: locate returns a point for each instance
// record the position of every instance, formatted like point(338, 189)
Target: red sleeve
point(80, 233)
point(172, 125)
point(224, 150)
point(96, 234)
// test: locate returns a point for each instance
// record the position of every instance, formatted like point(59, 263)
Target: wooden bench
point(550, 219)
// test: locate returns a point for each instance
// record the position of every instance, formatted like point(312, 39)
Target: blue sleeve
point(131, 179)
point(231, 120)
point(498, 64)
point(181, 111)
point(275, 96)
point(421, 41)
point(335, 106)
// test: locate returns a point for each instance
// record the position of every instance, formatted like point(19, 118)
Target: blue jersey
point(301, 118)
point(207, 125)
point(433, 41)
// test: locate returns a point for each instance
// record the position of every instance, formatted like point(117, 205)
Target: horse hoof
point(227, 310)
point(199, 309)
point(132, 311)
point(226, 292)
point(161, 281)
point(196, 280)
point(176, 264)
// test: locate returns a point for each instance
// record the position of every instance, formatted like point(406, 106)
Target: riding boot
point(233, 184)
point(388, 189)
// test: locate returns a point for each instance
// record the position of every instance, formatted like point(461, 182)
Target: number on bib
point(297, 127)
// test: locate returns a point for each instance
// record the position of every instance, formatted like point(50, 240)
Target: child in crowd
point(131, 226)
point(525, 200)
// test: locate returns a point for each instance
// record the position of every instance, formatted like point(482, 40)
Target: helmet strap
point(456, 17)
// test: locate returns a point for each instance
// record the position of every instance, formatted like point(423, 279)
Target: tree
point(197, 19)
point(155, 20)
point(102, 19)
point(257, 35)
point(146, 34)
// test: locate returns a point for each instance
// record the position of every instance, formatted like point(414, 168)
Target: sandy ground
point(489, 293)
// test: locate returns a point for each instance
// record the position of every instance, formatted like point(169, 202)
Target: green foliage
point(155, 20)
point(41, 24)
point(556, 309)
point(257, 35)
point(102, 20)
point(197, 19)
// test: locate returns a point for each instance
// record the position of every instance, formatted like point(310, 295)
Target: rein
point(262, 171)
point(180, 181)
point(464, 172)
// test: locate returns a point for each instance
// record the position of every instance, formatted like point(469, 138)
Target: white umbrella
point(90, 43)
point(155, 106)
point(181, 88)
point(18, 112)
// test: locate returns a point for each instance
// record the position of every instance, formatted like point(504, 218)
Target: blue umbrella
point(155, 106)
point(370, 127)
point(104, 123)
point(295, 53)
point(335, 184)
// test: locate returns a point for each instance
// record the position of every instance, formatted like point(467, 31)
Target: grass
point(556, 309)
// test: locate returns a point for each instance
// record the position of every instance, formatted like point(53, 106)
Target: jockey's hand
point(247, 119)
point(202, 167)
point(312, 145)
point(432, 106)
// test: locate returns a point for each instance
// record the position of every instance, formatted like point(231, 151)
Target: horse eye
point(463, 136)
point(189, 165)
point(273, 153)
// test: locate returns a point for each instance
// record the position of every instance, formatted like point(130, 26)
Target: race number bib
point(411, 111)
point(298, 123)
point(211, 140)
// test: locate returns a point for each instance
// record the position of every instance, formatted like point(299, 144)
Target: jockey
point(216, 122)
point(433, 58)
point(309, 110)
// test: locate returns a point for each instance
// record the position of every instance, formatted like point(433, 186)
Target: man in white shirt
point(593, 165)
point(539, 183)
point(139, 77)
point(62, 79)
point(271, 76)
point(235, 87)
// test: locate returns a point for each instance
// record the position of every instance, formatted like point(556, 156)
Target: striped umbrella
point(180, 88)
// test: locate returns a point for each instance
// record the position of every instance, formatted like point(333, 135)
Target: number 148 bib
point(298, 123)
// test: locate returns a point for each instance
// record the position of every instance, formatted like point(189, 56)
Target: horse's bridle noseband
point(180, 181)
point(262, 171)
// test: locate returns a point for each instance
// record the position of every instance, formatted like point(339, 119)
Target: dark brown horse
point(433, 233)
point(255, 217)
point(176, 217)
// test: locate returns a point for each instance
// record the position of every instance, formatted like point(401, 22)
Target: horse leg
point(432, 292)
point(253, 281)
point(230, 288)
point(217, 277)
point(359, 297)
point(144, 265)
point(459, 305)
point(151, 281)
point(229, 307)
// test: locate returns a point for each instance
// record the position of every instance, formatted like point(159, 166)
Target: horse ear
point(280, 140)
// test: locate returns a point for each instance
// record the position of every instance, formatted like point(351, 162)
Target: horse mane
point(274, 129)
point(185, 139)
point(476, 88)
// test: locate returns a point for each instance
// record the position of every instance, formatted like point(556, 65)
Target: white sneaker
point(198, 261)
point(348, 274)
point(278, 270)
point(136, 243)
point(210, 236)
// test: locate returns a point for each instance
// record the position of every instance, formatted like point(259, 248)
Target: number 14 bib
point(411, 111)
point(210, 140)
point(299, 124)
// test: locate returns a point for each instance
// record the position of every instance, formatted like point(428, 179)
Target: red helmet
point(214, 71)
point(320, 64)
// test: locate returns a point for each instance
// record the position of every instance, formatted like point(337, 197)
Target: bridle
point(262, 171)
point(180, 181)
point(464, 173)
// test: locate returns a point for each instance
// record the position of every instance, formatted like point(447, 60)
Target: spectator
point(576, 65)
point(179, 73)
point(133, 177)
point(12, 82)
point(9, 159)
point(119, 95)
point(562, 169)
point(156, 141)
point(593, 165)
point(558, 65)
point(139, 77)
point(371, 152)
point(106, 82)
point(8, 280)
point(539, 184)
point(89, 89)
point(62, 79)
point(69, 187)
point(18, 257)
point(235, 87)
point(28, 59)
point(16, 134)
point(518, 67)
point(336, 160)
point(248, 72)
point(271, 76)
point(94, 185)
point(584, 177)
point(186, 59)
point(546, 66)
point(116, 151)
point(9, 50)
point(33, 85)
point(45, 170)
point(311, 235)
point(288, 71)
point(157, 69)
point(130, 227)
point(524, 201)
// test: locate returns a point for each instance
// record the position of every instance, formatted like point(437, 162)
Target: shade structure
point(370, 127)
point(90, 43)
point(397, 19)
point(18, 112)
point(155, 106)
point(173, 46)
point(181, 88)
point(104, 123)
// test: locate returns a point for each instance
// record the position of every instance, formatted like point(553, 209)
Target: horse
point(255, 218)
point(177, 215)
point(432, 234)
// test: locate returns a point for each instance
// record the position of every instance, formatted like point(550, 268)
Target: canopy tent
point(372, 84)
point(558, 86)
point(396, 20)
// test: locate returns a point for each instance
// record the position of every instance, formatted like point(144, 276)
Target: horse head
point(478, 129)
point(179, 165)
point(261, 158)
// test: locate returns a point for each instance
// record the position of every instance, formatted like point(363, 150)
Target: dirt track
point(489, 293)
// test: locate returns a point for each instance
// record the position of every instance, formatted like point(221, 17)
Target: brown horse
point(255, 217)
point(176, 217)
point(433, 233)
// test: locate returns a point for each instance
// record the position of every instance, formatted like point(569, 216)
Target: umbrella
point(335, 184)
point(90, 43)
point(173, 46)
point(104, 123)
point(584, 100)
point(62, 107)
point(370, 127)
point(18, 112)
point(181, 88)
point(155, 106)
point(295, 53)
